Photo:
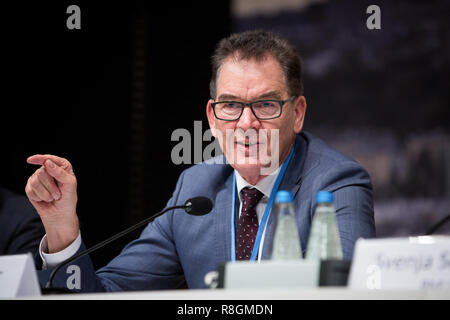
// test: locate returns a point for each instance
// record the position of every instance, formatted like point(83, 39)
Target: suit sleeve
point(149, 262)
point(28, 235)
point(22, 228)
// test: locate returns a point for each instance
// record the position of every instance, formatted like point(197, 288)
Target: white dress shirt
point(265, 186)
point(53, 259)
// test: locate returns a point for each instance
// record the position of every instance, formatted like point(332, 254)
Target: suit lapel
point(222, 220)
point(291, 182)
point(222, 207)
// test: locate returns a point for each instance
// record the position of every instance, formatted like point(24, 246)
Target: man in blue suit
point(256, 88)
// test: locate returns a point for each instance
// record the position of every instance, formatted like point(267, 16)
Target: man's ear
point(299, 111)
point(210, 116)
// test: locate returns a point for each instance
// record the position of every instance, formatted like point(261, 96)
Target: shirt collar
point(265, 185)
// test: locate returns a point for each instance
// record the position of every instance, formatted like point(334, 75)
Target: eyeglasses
point(261, 109)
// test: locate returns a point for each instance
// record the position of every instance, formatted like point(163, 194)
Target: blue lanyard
point(265, 214)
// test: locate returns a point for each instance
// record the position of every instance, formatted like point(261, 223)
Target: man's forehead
point(251, 78)
point(235, 63)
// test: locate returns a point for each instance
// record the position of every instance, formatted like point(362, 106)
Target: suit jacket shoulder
point(320, 156)
point(328, 169)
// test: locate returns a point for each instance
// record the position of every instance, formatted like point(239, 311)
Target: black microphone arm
point(195, 206)
point(437, 225)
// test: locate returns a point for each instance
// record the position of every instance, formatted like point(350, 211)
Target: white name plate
point(18, 276)
point(271, 274)
point(401, 263)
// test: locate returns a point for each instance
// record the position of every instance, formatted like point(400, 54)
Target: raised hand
point(52, 190)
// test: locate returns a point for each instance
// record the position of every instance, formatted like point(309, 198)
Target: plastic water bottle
point(286, 241)
point(324, 242)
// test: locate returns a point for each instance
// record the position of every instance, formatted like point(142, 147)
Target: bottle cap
point(324, 196)
point(284, 196)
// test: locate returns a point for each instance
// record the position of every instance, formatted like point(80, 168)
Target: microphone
point(197, 206)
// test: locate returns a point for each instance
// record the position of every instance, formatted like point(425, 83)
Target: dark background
point(380, 96)
point(108, 97)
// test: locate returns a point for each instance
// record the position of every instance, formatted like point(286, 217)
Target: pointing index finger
point(39, 159)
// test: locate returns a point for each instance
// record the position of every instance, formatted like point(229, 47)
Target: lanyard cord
point(265, 216)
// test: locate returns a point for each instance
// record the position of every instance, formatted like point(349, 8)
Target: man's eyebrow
point(271, 94)
point(226, 96)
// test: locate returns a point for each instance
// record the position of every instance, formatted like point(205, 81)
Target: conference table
point(321, 293)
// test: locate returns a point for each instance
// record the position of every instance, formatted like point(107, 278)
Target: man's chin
point(254, 168)
point(248, 170)
point(247, 167)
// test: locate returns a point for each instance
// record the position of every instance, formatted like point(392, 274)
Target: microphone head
point(198, 206)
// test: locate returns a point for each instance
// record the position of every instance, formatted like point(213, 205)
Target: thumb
point(59, 173)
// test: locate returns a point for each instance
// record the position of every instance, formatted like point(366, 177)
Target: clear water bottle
point(324, 242)
point(286, 241)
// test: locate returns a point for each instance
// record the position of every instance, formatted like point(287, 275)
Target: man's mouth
point(247, 143)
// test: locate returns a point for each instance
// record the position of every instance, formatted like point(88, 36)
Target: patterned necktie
point(248, 223)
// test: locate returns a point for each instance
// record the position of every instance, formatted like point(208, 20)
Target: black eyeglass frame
point(250, 105)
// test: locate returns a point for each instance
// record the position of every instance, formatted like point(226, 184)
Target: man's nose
point(248, 120)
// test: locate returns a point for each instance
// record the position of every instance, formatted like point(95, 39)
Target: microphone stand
point(49, 288)
point(437, 225)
